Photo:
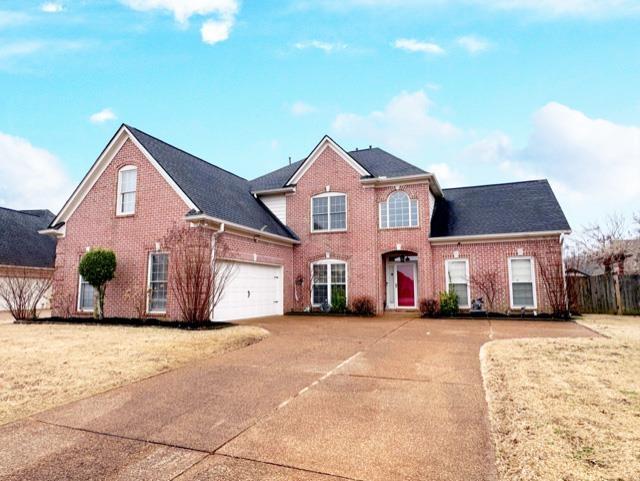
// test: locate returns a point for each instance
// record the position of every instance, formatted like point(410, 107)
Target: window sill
point(119, 216)
point(398, 228)
point(329, 231)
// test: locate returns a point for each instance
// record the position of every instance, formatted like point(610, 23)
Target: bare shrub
point(429, 308)
point(488, 284)
point(138, 300)
point(198, 277)
point(22, 293)
point(553, 282)
point(363, 306)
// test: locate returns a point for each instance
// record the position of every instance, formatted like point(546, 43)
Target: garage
point(254, 290)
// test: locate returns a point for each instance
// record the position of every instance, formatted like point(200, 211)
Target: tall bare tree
point(611, 243)
point(488, 283)
point(198, 276)
point(22, 292)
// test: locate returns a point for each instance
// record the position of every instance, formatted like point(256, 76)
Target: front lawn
point(42, 366)
point(567, 409)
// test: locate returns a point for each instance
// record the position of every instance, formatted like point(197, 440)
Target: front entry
point(406, 284)
point(401, 281)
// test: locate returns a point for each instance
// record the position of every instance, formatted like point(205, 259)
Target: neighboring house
point(359, 223)
point(23, 252)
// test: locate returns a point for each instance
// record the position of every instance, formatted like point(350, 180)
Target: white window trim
point(119, 212)
point(79, 303)
point(533, 282)
point(329, 262)
point(148, 306)
point(446, 279)
point(385, 205)
point(346, 211)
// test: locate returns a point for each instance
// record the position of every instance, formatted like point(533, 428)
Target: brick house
point(337, 223)
point(23, 252)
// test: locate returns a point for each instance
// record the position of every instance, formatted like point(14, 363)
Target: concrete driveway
point(321, 399)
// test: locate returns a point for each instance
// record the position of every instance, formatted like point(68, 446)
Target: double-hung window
point(158, 282)
point(329, 280)
point(457, 272)
point(398, 211)
point(127, 184)
point(329, 212)
point(86, 296)
point(521, 280)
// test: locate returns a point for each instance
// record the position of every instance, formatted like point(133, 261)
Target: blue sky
point(478, 92)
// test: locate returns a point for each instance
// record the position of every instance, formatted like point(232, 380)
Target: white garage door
point(252, 291)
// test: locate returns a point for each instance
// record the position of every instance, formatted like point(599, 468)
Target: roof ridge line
point(185, 152)
point(497, 184)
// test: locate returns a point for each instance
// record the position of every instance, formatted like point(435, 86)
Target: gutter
point(283, 190)
point(488, 237)
point(256, 232)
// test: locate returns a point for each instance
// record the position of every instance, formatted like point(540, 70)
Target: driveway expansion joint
point(280, 465)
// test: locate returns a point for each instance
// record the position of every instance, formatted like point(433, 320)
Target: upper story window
point(329, 212)
point(398, 211)
point(127, 183)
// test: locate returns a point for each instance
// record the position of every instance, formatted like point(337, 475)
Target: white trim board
point(326, 142)
point(495, 237)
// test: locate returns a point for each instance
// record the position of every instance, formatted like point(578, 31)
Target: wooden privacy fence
point(604, 294)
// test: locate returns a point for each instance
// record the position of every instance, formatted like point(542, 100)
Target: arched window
point(127, 184)
point(398, 211)
point(329, 212)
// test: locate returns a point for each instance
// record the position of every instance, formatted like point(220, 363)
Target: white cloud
point(412, 45)
point(213, 30)
point(473, 44)
point(11, 52)
point(31, 177)
point(104, 115)
point(593, 164)
point(405, 126)
point(326, 47)
point(52, 7)
point(300, 108)
point(447, 176)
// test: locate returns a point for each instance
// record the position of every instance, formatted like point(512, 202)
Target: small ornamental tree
point(97, 267)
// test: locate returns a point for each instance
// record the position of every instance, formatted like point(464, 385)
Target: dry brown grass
point(42, 366)
point(567, 409)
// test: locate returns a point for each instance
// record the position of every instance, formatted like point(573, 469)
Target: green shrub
point(363, 306)
point(97, 267)
point(449, 303)
point(338, 302)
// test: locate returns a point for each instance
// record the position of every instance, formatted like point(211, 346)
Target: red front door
point(405, 277)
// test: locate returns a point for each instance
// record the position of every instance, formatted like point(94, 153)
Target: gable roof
point(214, 191)
point(20, 243)
point(511, 208)
point(378, 162)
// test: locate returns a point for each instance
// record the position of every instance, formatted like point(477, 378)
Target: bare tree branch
point(488, 284)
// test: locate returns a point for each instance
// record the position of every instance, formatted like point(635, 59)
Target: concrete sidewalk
point(320, 399)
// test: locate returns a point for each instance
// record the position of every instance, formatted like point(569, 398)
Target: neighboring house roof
point(511, 208)
point(215, 191)
point(378, 162)
point(20, 243)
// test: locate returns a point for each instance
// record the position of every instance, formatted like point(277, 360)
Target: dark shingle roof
point(20, 243)
point(378, 162)
point(213, 190)
point(498, 209)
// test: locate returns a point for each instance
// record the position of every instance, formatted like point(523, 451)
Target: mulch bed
point(131, 322)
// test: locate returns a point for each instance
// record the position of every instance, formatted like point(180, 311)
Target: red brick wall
point(94, 224)
point(363, 243)
point(488, 256)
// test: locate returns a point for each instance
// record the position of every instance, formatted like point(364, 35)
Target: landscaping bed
point(567, 409)
point(43, 365)
point(127, 321)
